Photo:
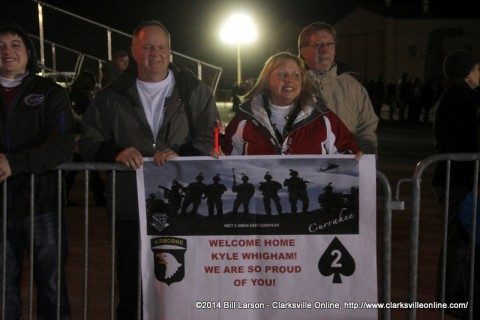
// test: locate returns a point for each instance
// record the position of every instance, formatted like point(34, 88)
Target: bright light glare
point(239, 28)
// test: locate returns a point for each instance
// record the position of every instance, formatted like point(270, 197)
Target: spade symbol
point(336, 260)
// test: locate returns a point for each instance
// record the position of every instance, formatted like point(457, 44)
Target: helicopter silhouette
point(329, 166)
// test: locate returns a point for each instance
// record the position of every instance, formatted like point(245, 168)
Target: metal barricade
point(415, 182)
point(82, 292)
point(85, 167)
point(388, 205)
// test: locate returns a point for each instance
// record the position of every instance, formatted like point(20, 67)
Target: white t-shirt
point(152, 96)
point(279, 116)
point(9, 83)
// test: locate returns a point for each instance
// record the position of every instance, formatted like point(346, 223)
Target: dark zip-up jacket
point(116, 120)
point(36, 134)
point(455, 131)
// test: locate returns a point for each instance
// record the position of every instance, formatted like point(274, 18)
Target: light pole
point(238, 29)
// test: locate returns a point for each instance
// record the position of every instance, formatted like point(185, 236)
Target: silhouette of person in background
point(414, 100)
point(403, 94)
point(81, 94)
point(238, 90)
point(376, 92)
point(111, 70)
point(392, 99)
point(428, 98)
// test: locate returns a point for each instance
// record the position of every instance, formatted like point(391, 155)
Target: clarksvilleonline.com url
point(404, 305)
point(326, 305)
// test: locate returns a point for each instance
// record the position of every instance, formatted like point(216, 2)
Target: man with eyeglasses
point(342, 93)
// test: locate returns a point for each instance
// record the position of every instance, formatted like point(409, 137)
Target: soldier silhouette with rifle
point(174, 196)
point(245, 192)
point(194, 193)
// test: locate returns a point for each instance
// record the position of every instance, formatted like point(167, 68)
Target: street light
point(238, 29)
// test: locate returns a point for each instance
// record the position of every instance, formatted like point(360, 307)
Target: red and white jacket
point(315, 130)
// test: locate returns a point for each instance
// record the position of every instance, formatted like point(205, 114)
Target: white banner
point(263, 237)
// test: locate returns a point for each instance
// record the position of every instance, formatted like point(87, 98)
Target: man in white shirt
point(158, 111)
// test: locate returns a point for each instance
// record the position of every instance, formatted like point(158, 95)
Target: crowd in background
point(409, 99)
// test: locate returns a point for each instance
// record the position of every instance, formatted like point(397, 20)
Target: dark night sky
point(194, 24)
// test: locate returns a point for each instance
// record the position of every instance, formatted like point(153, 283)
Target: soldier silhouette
point(330, 200)
point(174, 197)
point(193, 195)
point(326, 199)
point(245, 192)
point(297, 190)
point(352, 199)
point(214, 193)
point(154, 205)
point(269, 190)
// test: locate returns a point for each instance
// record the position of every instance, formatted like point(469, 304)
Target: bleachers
point(67, 43)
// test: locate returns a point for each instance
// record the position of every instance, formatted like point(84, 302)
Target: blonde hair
point(262, 85)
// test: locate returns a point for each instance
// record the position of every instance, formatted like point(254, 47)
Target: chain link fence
point(72, 43)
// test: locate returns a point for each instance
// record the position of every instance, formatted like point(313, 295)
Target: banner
point(259, 237)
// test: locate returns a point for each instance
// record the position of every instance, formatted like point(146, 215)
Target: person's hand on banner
point(358, 155)
point(216, 153)
point(162, 157)
point(131, 158)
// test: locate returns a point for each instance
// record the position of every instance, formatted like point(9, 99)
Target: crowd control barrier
point(415, 181)
point(80, 295)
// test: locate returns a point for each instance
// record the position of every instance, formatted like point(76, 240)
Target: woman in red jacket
point(283, 114)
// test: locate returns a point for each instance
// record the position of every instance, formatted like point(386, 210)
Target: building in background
point(380, 43)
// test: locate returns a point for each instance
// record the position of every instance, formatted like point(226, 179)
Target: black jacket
point(116, 120)
point(36, 134)
point(455, 130)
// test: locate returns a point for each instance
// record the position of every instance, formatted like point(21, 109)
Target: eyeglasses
point(321, 45)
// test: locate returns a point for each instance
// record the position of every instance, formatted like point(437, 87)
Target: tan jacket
point(345, 96)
